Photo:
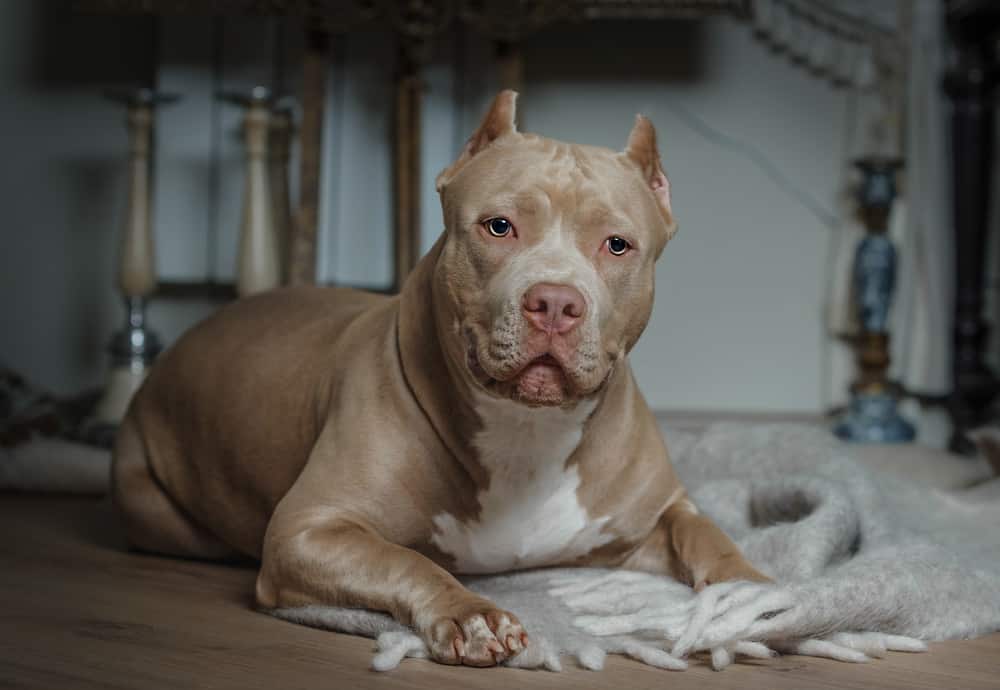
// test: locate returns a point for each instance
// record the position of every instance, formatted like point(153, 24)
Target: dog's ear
point(497, 122)
point(641, 150)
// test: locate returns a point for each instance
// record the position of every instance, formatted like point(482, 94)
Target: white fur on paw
point(480, 642)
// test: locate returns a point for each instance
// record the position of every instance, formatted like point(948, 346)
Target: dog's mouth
point(545, 360)
point(541, 380)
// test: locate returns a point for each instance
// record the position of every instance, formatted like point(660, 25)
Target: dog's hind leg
point(153, 521)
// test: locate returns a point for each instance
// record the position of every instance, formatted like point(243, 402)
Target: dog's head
point(547, 259)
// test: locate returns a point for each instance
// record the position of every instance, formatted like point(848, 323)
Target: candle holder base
point(874, 418)
point(133, 349)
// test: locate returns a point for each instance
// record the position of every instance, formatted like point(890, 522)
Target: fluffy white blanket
point(866, 562)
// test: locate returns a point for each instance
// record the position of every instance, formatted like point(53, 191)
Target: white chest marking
point(530, 515)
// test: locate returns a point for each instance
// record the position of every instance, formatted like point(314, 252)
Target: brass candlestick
point(873, 415)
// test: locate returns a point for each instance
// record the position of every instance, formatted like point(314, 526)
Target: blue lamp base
point(874, 418)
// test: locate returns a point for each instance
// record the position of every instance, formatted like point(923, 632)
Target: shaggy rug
point(866, 562)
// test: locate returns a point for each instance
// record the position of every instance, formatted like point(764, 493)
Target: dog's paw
point(483, 637)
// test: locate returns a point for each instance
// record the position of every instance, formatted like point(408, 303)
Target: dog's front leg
point(336, 561)
point(704, 554)
point(692, 549)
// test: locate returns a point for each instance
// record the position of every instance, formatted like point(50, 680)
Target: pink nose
point(553, 308)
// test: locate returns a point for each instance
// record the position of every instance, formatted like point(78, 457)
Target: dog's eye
point(498, 227)
point(617, 245)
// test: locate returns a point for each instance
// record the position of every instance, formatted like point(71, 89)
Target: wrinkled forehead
point(537, 176)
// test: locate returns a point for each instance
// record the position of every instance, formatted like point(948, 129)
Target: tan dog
point(365, 448)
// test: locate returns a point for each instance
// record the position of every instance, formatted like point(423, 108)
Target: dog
point(367, 448)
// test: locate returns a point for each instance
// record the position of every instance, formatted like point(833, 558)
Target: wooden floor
point(78, 611)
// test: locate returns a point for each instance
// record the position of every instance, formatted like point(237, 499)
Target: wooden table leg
point(407, 169)
point(135, 345)
point(970, 84)
point(258, 266)
point(280, 137)
point(302, 249)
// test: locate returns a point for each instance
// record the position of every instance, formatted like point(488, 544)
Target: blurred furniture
point(416, 23)
point(841, 42)
point(258, 265)
point(134, 347)
point(970, 83)
point(872, 415)
point(280, 134)
point(816, 35)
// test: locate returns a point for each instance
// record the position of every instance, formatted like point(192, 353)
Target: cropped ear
point(497, 122)
point(641, 150)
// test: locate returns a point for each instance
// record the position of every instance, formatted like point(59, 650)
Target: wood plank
point(315, 76)
point(406, 152)
point(78, 611)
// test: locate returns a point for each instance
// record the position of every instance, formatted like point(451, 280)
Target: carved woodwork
point(407, 170)
point(134, 346)
point(315, 63)
point(416, 23)
point(137, 273)
point(872, 416)
point(280, 134)
point(257, 265)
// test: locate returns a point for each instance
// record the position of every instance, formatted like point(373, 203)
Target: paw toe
point(507, 629)
point(481, 646)
point(446, 642)
point(484, 638)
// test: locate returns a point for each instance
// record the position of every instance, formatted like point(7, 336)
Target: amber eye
point(618, 245)
point(498, 227)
